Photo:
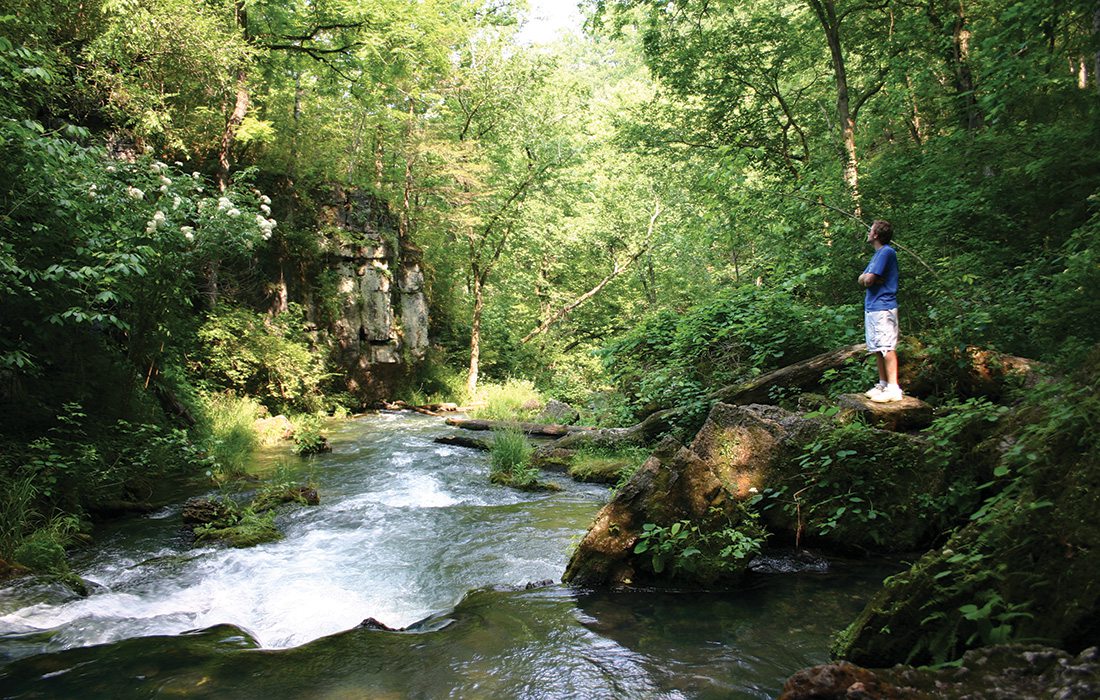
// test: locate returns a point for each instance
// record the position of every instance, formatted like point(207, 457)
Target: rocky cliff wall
point(381, 331)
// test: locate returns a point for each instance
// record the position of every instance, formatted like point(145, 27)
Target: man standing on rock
point(880, 311)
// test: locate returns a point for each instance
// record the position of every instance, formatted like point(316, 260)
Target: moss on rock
point(1024, 568)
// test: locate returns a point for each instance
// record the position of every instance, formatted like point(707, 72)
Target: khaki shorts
point(882, 330)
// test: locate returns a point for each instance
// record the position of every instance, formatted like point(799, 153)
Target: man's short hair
point(883, 230)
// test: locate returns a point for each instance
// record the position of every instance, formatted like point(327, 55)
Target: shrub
point(719, 546)
point(308, 438)
point(268, 358)
point(672, 360)
point(231, 427)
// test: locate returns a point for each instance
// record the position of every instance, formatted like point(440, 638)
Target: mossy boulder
point(247, 530)
point(1025, 566)
point(843, 485)
point(289, 493)
point(1026, 569)
point(244, 524)
point(702, 487)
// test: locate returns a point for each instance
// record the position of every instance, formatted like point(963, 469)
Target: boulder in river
point(847, 486)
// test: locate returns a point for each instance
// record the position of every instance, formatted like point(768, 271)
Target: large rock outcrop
point(1024, 566)
point(844, 485)
point(382, 324)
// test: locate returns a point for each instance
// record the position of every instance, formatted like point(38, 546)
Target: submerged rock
point(795, 562)
point(1007, 672)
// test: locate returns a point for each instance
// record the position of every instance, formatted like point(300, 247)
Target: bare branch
point(615, 272)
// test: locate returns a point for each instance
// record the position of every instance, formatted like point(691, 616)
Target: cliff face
point(381, 330)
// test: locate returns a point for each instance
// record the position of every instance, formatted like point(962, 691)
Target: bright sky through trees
point(547, 20)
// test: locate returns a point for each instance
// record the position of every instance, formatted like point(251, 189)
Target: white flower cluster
point(188, 232)
point(155, 222)
point(226, 205)
point(135, 193)
point(265, 225)
point(92, 191)
point(158, 167)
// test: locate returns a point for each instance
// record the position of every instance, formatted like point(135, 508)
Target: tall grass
point(17, 513)
point(232, 437)
point(515, 399)
point(511, 459)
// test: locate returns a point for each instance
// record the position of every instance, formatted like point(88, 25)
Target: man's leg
point(888, 366)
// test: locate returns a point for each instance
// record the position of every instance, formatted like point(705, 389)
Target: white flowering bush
point(112, 245)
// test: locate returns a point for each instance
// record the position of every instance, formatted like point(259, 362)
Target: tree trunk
point(230, 132)
point(280, 302)
point(971, 114)
point(957, 58)
point(240, 107)
point(915, 128)
point(830, 24)
point(378, 159)
point(1095, 36)
point(475, 336)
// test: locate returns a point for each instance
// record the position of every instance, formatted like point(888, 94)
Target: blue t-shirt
point(883, 296)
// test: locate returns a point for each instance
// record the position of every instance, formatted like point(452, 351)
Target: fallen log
point(800, 375)
point(542, 429)
point(464, 441)
point(403, 406)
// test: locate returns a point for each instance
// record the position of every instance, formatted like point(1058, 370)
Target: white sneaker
point(888, 395)
point(874, 391)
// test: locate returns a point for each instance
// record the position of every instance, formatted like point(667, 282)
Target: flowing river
point(411, 534)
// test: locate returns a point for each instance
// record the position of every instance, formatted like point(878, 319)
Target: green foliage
point(231, 431)
point(719, 546)
point(514, 400)
point(243, 527)
point(610, 466)
point(675, 359)
point(17, 512)
point(510, 460)
point(265, 357)
point(308, 436)
point(43, 550)
point(860, 487)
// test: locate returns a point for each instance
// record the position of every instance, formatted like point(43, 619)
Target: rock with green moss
point(843, 485)
point(680, 505)
point(601, 468)
point(270, 498)
point(1025, 566)
point(248, 530)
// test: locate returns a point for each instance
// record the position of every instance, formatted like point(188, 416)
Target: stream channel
point(412, 534)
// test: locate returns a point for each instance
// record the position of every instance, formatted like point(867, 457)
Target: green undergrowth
point(672, 360)
point(308, 436)
point(513, 400)
point(248, 522)
point(715, 548)
point(606, 466)
point(1023, 567)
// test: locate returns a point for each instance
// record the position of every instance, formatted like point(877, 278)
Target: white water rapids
point(405, 528)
